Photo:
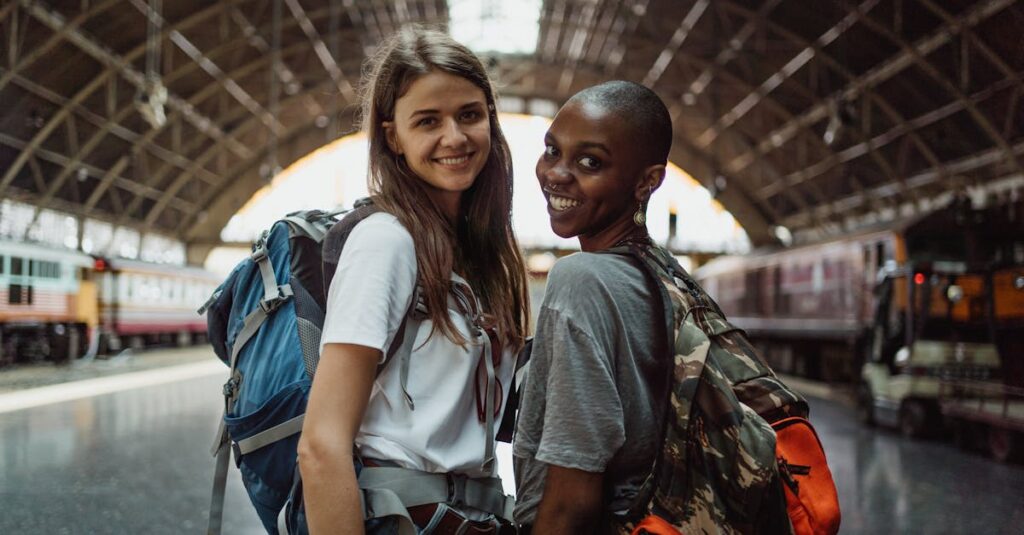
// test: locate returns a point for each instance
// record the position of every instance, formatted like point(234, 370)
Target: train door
point(752, 298)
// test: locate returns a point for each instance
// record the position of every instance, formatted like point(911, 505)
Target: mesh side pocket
point(309, 320)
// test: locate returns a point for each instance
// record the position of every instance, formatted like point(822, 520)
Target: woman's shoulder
point(381, 229)
point(590, 267)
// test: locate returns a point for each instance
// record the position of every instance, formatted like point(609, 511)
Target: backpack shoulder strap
point(333, 243)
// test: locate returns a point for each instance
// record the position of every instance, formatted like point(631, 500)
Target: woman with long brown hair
point(422, 430)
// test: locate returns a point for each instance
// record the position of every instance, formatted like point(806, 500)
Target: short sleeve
point(373, 285)
point(582, 418)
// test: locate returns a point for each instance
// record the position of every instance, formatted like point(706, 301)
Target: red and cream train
point(58, 304)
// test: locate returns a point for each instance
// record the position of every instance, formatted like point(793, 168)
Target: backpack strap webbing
point(273, 297)
point(391, 491)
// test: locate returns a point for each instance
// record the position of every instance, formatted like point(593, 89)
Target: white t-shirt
point(367, 299)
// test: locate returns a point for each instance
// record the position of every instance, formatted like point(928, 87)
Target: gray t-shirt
point(594, 394)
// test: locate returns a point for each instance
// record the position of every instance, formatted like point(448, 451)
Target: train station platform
point(122, 446)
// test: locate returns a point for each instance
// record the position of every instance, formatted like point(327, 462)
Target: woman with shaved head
point(589, 420)
point(593, 449)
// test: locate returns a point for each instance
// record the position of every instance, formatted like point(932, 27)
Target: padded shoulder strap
point(336, 237)
point(333, 243)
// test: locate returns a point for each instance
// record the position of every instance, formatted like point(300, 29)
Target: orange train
point(820, 310)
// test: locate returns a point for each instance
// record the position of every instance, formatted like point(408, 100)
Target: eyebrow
point(583, 144)
point(473, 104)
point(595, 145)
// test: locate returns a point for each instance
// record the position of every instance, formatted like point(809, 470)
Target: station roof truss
point(796, 114)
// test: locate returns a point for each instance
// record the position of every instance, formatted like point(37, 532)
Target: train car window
point(18, 294)
point(880, 256)
point(2, 264)
point(16, 265)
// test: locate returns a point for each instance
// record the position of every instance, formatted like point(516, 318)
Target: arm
point(572, 502)
point(337, 401)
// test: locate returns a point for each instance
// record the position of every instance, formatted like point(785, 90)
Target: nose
point(452, 134)
point(552, 173)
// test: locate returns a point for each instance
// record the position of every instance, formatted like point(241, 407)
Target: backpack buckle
point(456, 489)
point(236, 452)
point(259, 247)
point(272, 304)
point(231, 387)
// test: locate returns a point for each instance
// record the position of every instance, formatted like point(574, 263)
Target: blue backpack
point(265, 323)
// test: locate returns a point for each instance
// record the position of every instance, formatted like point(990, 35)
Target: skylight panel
point(496, 26)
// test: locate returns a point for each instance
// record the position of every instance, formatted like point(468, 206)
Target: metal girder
point(145, 140)
point(967, 104)
point(734, 46)
point(211, 152)
point(107, 124)
point(788, 69)
point(55, 39)
point(183, 231)
point(855, 151)
point(871, 78)
point(198, 165)
point(870, 97)
point(210, 67)
point(122, 65)
point(577, 46)
point(922, 179)
point(115, 64)
point(329, 62)
point(61, 159)
point(676, 42)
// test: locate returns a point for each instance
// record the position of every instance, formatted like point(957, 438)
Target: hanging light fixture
point(150, 100)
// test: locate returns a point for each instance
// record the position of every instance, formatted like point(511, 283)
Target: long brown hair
point(480, 244)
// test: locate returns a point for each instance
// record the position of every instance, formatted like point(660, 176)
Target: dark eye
point(426, 121)
point(589, 163)
point(471, 115)
point(550, 151)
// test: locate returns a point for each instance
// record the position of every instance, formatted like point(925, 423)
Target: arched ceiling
point(918, 98)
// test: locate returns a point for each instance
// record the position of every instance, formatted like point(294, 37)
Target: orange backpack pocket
point(654, 525)
point(811, 497)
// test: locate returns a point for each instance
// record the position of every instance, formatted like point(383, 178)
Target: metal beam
point(788, 69)
point(122, 65)
point(869, 79)
point(210, 67)
point(918, 180)
point(870, 97)
point(107, 124)
point(183, 178)
point(115, 64)
point(732, 49)
point(55, 39)
point(61, 159)
point(195, 165)
point(676, 42)
point(922, 63)
point(856, 151)
point(329, 62)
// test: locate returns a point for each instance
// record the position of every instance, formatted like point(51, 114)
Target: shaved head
point(639, 108)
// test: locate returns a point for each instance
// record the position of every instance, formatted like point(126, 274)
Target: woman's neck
point(614, 235)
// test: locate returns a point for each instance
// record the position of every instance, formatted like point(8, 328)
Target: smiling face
point(593, 176)
point(442, 128)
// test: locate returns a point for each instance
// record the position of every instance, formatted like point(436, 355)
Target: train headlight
point(1018, 282)
point(902, 356)
point(954, 293)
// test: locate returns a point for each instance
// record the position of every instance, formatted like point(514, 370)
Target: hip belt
point(393, 491)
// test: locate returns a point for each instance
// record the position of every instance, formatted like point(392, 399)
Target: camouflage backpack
point(717, 470)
